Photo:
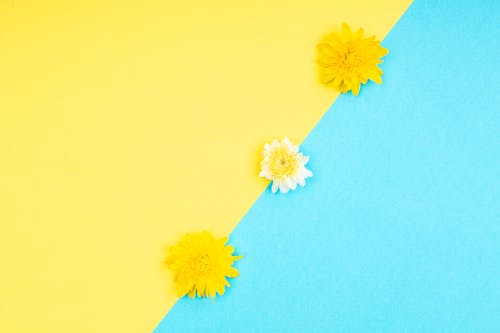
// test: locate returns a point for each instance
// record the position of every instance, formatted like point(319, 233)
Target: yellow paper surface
point(124, 124)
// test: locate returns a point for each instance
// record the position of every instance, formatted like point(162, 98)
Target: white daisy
point(284, 165)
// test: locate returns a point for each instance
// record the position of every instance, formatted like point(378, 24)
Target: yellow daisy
point(346, 60)
point(200, 263)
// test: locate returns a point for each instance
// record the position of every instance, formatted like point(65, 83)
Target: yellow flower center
point(201, 264)
point(352, 58)
point(283, 163)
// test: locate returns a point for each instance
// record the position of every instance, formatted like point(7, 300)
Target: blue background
point(399, 229)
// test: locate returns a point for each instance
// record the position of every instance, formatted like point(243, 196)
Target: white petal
point(265, 174)
point(301, 181)
point(305, 159)
point(306, 173)
point(283, 188)
point(275, 186)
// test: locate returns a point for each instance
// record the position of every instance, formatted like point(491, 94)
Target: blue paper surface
point(399, 229)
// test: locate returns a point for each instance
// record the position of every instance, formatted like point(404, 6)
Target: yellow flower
point(348, 59)
point(284, 165)
point(200, 263)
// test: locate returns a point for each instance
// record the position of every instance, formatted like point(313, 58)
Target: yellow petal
point(355, 89)
point(232, 272)
point(346, 32)
point(359, 34)
point(376, 78)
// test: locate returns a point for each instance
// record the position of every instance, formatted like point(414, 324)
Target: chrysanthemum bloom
point(284, 165)
point(346, 60)
point(201, 263)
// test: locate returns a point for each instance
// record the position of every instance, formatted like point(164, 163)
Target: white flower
point(284, 165)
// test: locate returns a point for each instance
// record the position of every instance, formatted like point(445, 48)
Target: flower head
point(346, 60)
point(200, 263)
point(284, 165)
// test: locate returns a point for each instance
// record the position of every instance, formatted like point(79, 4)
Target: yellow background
point(124, 124)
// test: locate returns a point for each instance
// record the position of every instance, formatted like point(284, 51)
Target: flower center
point(283, 163)
point(201, 264)
point(352, 58)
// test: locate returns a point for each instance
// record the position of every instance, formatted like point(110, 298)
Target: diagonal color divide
point(126, 123)
point(399, 230)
